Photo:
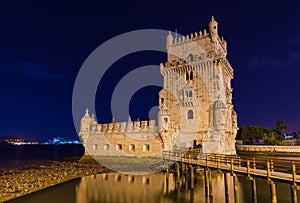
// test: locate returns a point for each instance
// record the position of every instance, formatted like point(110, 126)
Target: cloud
point(294, 41)
point(29, 69)
point(256, 63)
point(289, 59)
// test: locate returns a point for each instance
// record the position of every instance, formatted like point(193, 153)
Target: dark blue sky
point(44, 43)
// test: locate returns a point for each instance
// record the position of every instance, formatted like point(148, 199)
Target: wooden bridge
point(271, 169)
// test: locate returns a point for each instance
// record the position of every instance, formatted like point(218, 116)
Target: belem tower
point(195, 105)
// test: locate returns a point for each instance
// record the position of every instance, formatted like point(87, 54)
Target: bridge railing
point(234, 161)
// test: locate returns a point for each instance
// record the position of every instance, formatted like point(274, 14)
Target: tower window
point(189, 75)
point(190, 114)
point(162, 100)
point(190, 93)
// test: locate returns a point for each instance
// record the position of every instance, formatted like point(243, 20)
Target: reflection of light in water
point(119, 188)
point(154, 188)
point(116, 187)
point(130, 179)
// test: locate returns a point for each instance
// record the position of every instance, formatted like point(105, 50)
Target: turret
point(170, 39)
point(129, 124)
point(85, 125)
point(213, 28)
point(219, 109)
point(163, 118)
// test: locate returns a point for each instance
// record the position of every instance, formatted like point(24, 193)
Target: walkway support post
point(294, 185)
point(294, 193)
point(167, 172)
point(253, 183)
point(206, 182)
point(273, 191)
point(192, 177)
point(254, 194)
point(226, 188)
point(236, 188)
point(210, 186)
point(167, 179)
point(177, 173)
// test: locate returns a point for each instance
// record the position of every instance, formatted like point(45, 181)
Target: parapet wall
point(267, 148)
point(131, 138)
point(130, 127)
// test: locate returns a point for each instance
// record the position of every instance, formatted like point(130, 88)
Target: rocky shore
point(16, 182)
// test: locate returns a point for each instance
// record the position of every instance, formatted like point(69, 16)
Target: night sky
point(44, 43)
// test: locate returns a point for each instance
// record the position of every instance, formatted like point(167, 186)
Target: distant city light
point(61, 140)
point(17, 141)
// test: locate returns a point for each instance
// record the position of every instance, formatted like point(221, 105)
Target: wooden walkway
point(271, 169)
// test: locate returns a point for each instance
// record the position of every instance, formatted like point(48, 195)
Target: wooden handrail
point(219, 161)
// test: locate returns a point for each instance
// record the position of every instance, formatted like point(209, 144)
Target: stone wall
point(268, 148)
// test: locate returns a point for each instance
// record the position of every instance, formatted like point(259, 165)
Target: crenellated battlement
point(129, 126)
point(195, 47)
point(196, 36)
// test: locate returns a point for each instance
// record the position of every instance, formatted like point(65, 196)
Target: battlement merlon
point(88, 124)
point(209, 42)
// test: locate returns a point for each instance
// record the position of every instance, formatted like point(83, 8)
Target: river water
point(115, 187)
point(18, 155)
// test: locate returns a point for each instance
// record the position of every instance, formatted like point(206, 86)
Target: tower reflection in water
point(152, 188)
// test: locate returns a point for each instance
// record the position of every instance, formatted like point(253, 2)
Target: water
point(124, 188)
point(116, 188)
point(16, 155)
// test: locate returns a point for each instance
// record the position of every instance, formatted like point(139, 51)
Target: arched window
point(187, 76)
point(191, 75)
point(190, 114)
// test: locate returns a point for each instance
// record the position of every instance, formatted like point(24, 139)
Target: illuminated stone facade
point(195, 104)
point(197, 97)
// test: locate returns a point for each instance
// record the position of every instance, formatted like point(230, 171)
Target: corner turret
point(213, 28)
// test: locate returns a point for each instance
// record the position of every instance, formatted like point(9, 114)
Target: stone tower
point(196, 102)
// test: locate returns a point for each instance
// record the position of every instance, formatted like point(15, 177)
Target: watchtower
point(196, 102)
